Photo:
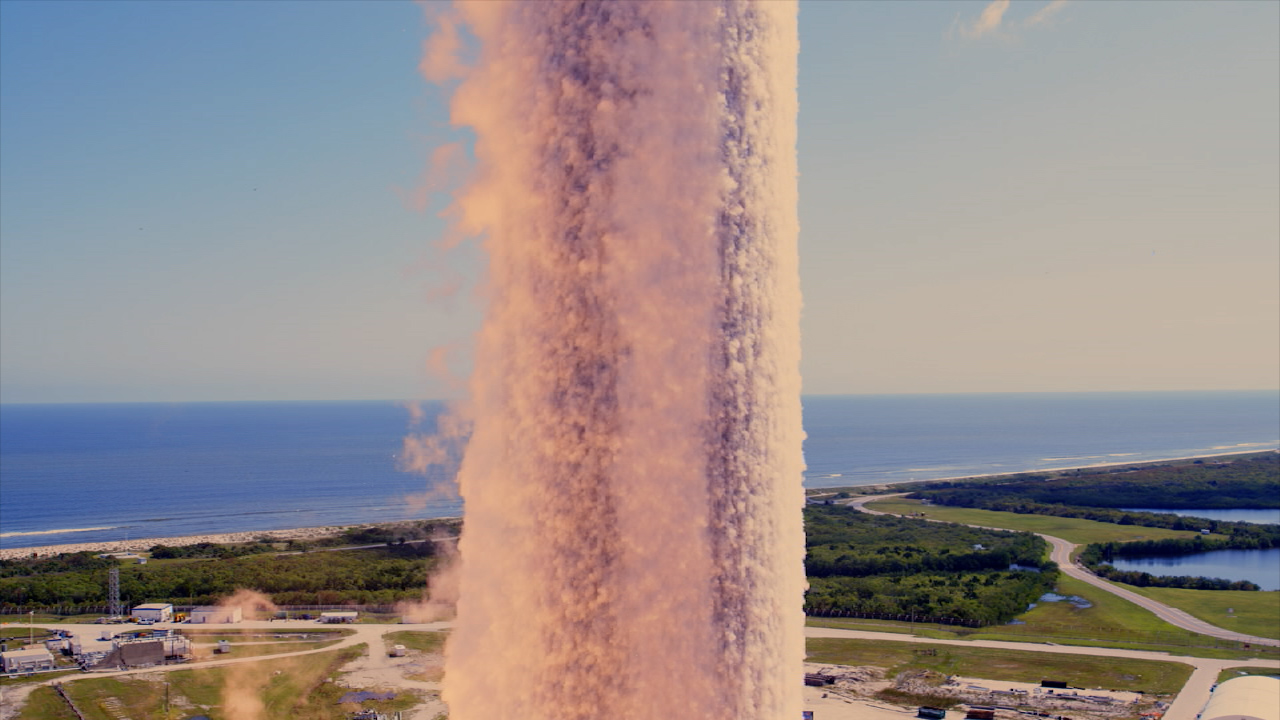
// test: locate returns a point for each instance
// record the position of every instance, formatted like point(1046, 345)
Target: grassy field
point(1159, 678)
point(258, 649)
point(44, 704)
point(1255, 613)
point(426, 641)
point(1113, 622)
point(298, 688)
point(1070, 529)
point(1237, 672)
point(1110, 622)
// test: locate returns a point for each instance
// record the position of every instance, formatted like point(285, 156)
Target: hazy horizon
point(209, 201)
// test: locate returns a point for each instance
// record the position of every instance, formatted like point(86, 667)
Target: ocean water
point(85, 473)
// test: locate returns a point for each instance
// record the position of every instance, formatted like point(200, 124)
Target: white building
point(28, 659)
point(154, 612)
point(1249, 697)
point(342, 616)
point(215, 614)
point(89, 651)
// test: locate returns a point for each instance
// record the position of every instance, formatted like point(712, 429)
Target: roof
point(340, 613)
point(153, 606)
point(27, 652)
point(1248, 696)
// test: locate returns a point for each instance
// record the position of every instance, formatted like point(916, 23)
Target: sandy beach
point(311, 533)
point(143, 544)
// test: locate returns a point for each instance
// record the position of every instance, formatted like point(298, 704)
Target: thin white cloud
point(991, 22)
point(988, 22)
point(1045, 13)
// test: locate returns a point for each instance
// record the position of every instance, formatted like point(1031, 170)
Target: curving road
point(12, 697)
point(1190, 701)
point(1061, 554)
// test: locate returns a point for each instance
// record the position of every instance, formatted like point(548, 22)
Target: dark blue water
point(857, 440)
point(1259, 566)
point(159, 470)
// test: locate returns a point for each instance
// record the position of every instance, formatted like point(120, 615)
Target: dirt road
point(1190, 700)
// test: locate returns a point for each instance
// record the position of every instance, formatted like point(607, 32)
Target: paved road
point(11, 697)
point(1062, 555)
point(1190, 701)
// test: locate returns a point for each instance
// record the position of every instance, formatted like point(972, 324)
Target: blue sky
point(211, 200)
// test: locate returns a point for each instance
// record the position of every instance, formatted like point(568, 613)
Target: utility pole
point(31, 630)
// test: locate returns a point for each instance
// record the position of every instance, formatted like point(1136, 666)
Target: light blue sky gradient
point(209, 200)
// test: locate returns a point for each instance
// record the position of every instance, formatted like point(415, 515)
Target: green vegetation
point(210, 550)
point(1149, 676)
point(298, 688)
point(859, 563)
point(258, 649)
point(44, 704)
point(65, 562)
point(1072, 529)
point(1110, 621)
point(423, 640)
point(1247, 482)
point(380, 575)
point(1254, 613)
point(1238, 671)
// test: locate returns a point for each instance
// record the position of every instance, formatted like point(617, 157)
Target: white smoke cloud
point(633, 543)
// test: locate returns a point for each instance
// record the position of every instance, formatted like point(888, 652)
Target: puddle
point(1075, 600)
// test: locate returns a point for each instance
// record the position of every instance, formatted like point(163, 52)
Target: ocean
point(89, 473)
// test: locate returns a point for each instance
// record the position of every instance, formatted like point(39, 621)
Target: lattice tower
point(113, 592)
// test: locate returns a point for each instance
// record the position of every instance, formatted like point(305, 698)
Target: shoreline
point(312, 533)
point(143, 544)
point(1096, 466)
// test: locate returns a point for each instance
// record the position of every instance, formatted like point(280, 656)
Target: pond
point(1249, 515)
point(1258, 566)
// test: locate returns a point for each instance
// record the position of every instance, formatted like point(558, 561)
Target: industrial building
point(215, 614)
point(135, 652)
point(154, 612)
point(1249, 697)
point(342, 616)
point(28, 659)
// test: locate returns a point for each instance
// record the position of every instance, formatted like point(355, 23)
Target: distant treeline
point(66, 562)
point(374, 576)
point(1252, 482)
point(1245, 483)
point(901, 566)
point(1097, 556)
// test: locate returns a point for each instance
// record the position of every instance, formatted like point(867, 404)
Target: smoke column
point(633, 544)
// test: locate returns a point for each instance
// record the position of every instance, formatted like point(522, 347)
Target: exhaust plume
point(253, 605)
point(633, 544)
